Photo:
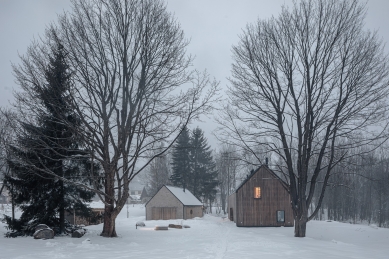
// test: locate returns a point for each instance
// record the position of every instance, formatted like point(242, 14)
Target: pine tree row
point(193, 167)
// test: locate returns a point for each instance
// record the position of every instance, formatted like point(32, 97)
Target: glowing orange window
point(257, 192)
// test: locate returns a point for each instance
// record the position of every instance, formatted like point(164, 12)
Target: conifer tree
point(48, 145)
point(193, 166)
point(181, 160)
point(203, 168)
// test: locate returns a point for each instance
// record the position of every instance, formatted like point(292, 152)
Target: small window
point(280, 216)
point(257, 192)
point(191, 212)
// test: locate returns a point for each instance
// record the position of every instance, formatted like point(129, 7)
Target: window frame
point(255, 192)
point(277, 216)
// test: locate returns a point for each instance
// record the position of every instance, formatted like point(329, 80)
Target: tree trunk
point(300, 227)
point(62, 210)
point(301, 219)
point(109, 213)
point(109, 223)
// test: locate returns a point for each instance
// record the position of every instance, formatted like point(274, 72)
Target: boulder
point(46, 233)
point(78, 233)
point(41, 226)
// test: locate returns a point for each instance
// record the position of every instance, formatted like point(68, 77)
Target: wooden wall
point(164, 199)
point(231, 207)
point(164, 205)
point(197, 211)
point(163, 213)
point(252, 212)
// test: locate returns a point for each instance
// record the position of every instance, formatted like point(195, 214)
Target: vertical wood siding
point(164, 199)
point(197, 211)
point(163, 213)
point(262, 212)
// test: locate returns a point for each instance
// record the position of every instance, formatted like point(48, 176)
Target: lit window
point(280, 216)
point(257, 192)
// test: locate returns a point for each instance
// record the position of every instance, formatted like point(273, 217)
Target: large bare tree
point(133, 88)
point(300, 83)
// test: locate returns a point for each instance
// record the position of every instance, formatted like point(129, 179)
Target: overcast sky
point(212, 25)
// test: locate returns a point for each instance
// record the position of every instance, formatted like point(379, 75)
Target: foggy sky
point(212, 26)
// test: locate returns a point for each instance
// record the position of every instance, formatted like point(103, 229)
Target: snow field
point(208, 237)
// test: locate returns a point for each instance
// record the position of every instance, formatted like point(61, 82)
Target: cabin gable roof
point(185, 197)
point(255, 172)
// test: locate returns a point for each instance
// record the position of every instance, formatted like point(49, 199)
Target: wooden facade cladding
point(164, 205)
point(249, 211)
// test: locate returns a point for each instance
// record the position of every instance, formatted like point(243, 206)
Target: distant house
point(261, 201)
point(4, 195)
point(136, 189)
point(173, 203)
point(97, 208)
point(3, 198)
point(144, 197)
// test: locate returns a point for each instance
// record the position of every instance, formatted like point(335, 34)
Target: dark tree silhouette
point(301, 82)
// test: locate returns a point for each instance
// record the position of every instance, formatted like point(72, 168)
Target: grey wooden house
point(173, 203)
point(261, 201)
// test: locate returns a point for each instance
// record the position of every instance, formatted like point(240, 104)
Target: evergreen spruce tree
point(203, 168)
point(181, 161)
point(49, 145)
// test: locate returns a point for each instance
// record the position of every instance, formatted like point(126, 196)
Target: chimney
point(267, 162)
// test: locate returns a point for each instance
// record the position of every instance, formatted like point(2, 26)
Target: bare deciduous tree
point(133, 89)
point(227, 162)
point(302, 81)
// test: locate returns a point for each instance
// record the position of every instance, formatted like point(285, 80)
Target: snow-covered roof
point(135, 197)
point(187, 198)
point(96, 205)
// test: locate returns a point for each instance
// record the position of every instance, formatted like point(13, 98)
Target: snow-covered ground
point(208, 237)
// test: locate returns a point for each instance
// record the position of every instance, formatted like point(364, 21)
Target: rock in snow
point(78, 233)
point(40, 226)
point(45, 233)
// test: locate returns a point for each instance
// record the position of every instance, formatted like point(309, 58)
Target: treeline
point(358, 190)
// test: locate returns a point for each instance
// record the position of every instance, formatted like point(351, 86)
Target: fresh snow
point(186, 197)
point(96, 205)
point(208, 237)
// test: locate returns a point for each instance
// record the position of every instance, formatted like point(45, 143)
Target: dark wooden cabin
point(261, 201)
